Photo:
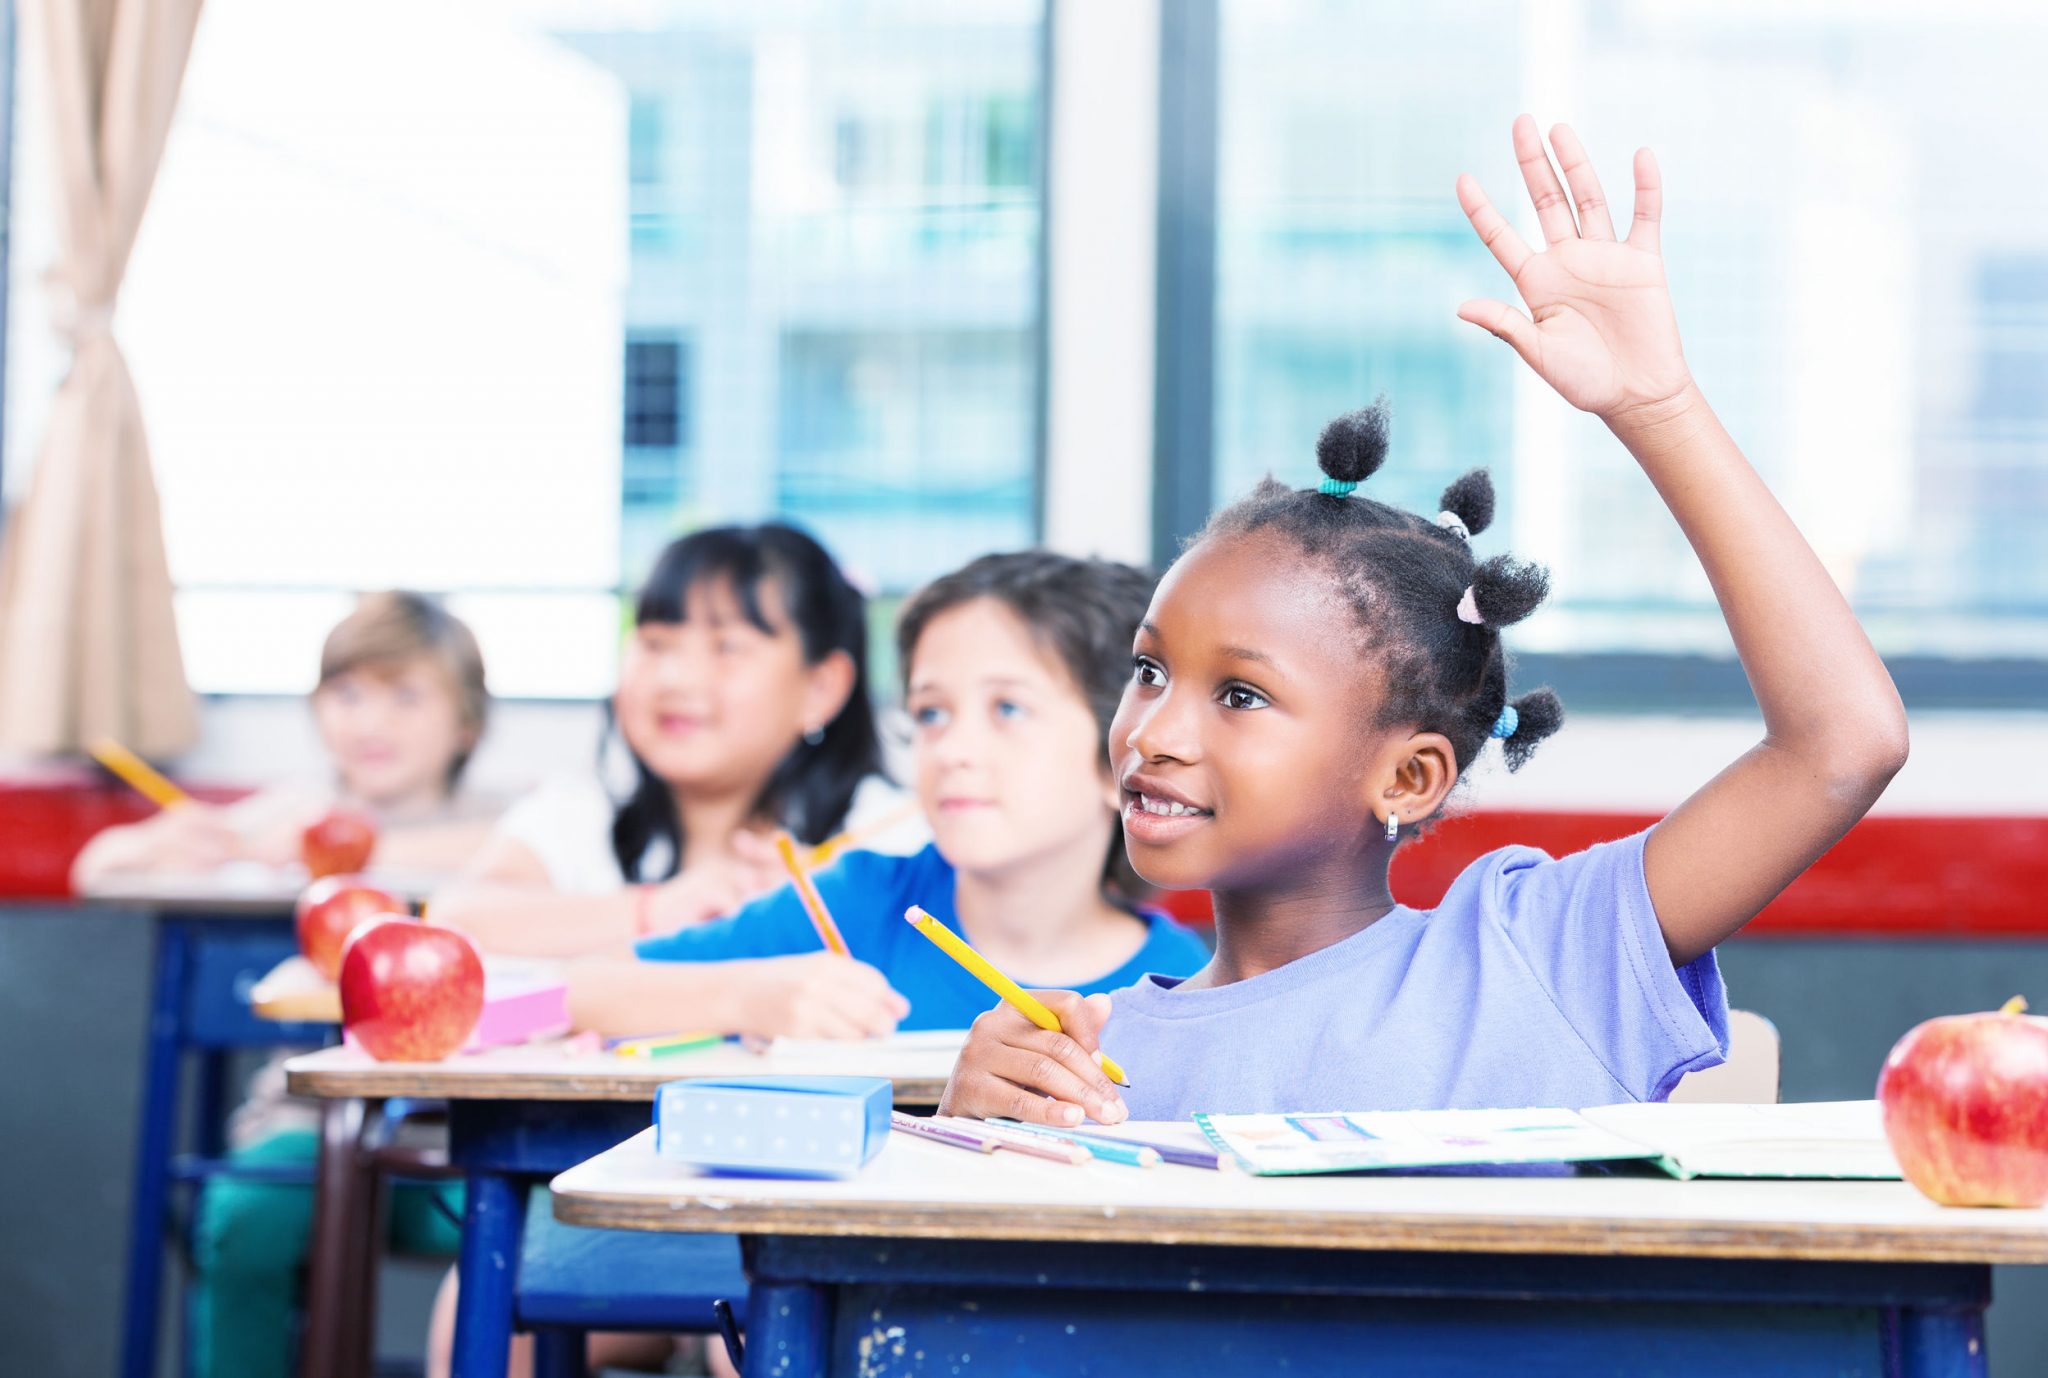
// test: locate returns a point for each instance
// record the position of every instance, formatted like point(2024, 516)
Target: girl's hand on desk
point(710, 890)
point(195, 837)
point(819, 995)
point(1603, 333)
point(1012, 1068)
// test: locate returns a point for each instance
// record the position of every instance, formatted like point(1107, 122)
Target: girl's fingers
point(989, 1096)
point(1553, 207)
point(1492, 227)
point(1041, 1066)
point(1499, 319)
point(1594, 221)
point(1644, 233)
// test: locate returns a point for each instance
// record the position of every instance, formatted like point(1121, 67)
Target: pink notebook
point(518, 1011)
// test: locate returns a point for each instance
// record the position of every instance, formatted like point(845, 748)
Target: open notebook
point(1832, 1139)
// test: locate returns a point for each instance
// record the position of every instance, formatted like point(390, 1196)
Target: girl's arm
point(1604, 336)
point(816, 995)
point(506, 902)
point(185, 837)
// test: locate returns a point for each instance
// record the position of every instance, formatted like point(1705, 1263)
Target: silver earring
point(1393, 827)
point(814, 736)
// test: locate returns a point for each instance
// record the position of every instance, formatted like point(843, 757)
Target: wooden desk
point(518, 1116)
point(934, 1257)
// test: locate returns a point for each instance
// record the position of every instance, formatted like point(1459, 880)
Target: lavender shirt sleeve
point(1589, 933)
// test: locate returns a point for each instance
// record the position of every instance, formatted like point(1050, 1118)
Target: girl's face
point(1008, 753)
point(392, 731)
point(1248, 717)
point(713, 703)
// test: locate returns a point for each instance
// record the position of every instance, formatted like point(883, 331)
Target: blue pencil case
point(773, 1126)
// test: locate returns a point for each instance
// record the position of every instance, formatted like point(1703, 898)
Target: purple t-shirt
point(1535, 983)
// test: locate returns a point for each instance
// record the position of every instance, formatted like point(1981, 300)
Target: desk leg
point(340, 1254)
point(494, 1213)
point(789, 1330)
point(1944, 1343)
point(153, 1147)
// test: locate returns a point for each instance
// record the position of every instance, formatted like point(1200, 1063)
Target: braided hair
point(1425, 609)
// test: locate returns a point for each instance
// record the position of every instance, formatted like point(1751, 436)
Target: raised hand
point(1600, 328)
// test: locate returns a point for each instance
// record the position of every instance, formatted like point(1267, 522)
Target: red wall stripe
point(1892, 876)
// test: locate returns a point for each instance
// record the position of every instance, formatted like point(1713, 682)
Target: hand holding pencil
point(1014, 1068)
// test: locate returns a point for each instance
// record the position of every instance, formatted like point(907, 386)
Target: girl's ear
point(828, 685)
point(1411, 777)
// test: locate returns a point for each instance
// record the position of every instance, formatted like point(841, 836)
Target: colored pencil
point(138, 774)
point(1015, 995)
point(1108, 1150)
point(925, 1129)
point(666, 1045)
point(1182, 1154)
point(814, 903)
point(1030, 1145)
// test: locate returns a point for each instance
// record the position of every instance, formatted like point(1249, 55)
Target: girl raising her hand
point(1318, 670)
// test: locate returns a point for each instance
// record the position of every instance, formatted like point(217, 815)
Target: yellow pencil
point(1015, 995)
point(814, 903)
point(137, 774)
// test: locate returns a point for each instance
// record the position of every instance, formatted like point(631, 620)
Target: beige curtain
point(88, 647)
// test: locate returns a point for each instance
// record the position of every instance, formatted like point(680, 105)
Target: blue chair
point(573, 1281)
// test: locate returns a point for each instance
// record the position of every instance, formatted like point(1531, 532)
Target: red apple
point(328, 911)
point(1966, 1107)
point(410, 992)
point(340, 841)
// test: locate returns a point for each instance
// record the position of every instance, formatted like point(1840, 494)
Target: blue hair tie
point(1337, 487)
point(1507, 722)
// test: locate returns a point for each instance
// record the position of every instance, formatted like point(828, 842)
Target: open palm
point(1600, 327)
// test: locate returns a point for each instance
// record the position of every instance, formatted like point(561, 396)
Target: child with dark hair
point(742, 707)
point(1012, 669)
point(1318, 671)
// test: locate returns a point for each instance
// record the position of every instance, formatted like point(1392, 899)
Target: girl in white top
point(743, 705)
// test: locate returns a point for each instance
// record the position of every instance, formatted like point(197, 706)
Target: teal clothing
point(867, 893)
point(249, 1244)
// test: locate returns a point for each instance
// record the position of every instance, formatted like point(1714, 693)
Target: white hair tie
point(1468, 609)
point(1453, 523)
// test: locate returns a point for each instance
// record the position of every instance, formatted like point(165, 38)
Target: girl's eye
point(1237, 696)
point(928, 716)
point(1148, 672)
point(1007, 709)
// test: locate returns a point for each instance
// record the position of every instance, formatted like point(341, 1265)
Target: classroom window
point(582, 276)
point(1882, 358)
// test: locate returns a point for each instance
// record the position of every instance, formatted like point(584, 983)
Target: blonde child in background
point(400, 707)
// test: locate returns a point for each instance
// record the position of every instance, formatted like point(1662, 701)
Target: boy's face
point(713, 703)
point(1008, 752)
point(1249, 712)
point(393, 731)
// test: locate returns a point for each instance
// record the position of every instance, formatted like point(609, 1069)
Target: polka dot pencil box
point(773, 1126)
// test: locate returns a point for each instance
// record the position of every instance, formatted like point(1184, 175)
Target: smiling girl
point(1318, 671)
point(743, 706)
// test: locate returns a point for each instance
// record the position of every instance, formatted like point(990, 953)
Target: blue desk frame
point(505, 1148)
point(198, 1005)
point(880, 1307)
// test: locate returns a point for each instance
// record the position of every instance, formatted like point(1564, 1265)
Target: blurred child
point(743, 705)
point(1319, 670)
point(400, 707)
